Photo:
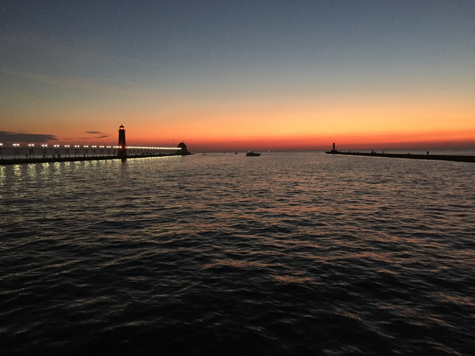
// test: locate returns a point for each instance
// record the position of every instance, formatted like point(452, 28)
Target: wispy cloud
point(102, 135)
point(7, 137)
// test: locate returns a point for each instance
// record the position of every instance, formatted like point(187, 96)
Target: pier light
point(77, 146)
point(67, 146)
point(55, 145)
point(1, 144)
point(44, 145)
point(101, 146)
point(31, 145)
point(16, 145)
point(86, 146)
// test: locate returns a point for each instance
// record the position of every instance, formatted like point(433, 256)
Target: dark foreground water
point(282, 254)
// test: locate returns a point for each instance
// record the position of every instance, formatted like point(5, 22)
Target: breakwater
point(454, 158)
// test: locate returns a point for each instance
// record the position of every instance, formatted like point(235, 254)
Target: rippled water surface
point(282, 254)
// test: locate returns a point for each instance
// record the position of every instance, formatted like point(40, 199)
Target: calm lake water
point(289, 253)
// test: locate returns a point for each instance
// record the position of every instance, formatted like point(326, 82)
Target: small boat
point(252, 154)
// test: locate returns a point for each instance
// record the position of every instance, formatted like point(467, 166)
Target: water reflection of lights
point(17, 170)
point(2, 175)
point(32, 170)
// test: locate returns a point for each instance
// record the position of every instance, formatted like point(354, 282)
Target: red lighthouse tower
point(122, 152)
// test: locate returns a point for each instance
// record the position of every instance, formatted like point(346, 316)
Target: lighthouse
point(122, 152)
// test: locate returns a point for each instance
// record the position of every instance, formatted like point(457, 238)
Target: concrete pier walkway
point(454, 158)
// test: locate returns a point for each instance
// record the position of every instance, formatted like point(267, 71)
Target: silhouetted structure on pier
point(122, 150)
point(333, 150)
point(184, 151)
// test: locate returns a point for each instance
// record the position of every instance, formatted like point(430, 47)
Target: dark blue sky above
point(235, 52)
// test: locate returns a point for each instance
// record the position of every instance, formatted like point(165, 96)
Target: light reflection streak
point(17, 170)
point(45, 167)
point(31, 168)
point(2, 176)
point(57, 168)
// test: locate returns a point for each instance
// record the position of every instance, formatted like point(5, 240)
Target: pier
point(72, 153)
point(453, 158)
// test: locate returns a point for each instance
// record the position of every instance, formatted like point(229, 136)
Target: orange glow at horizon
point(290, 123)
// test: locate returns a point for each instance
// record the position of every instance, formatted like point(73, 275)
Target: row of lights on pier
point(31, 145)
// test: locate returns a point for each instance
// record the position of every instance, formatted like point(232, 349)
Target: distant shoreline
point(453, 158)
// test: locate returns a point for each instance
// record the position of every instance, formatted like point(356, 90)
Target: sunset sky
point(239, 74)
